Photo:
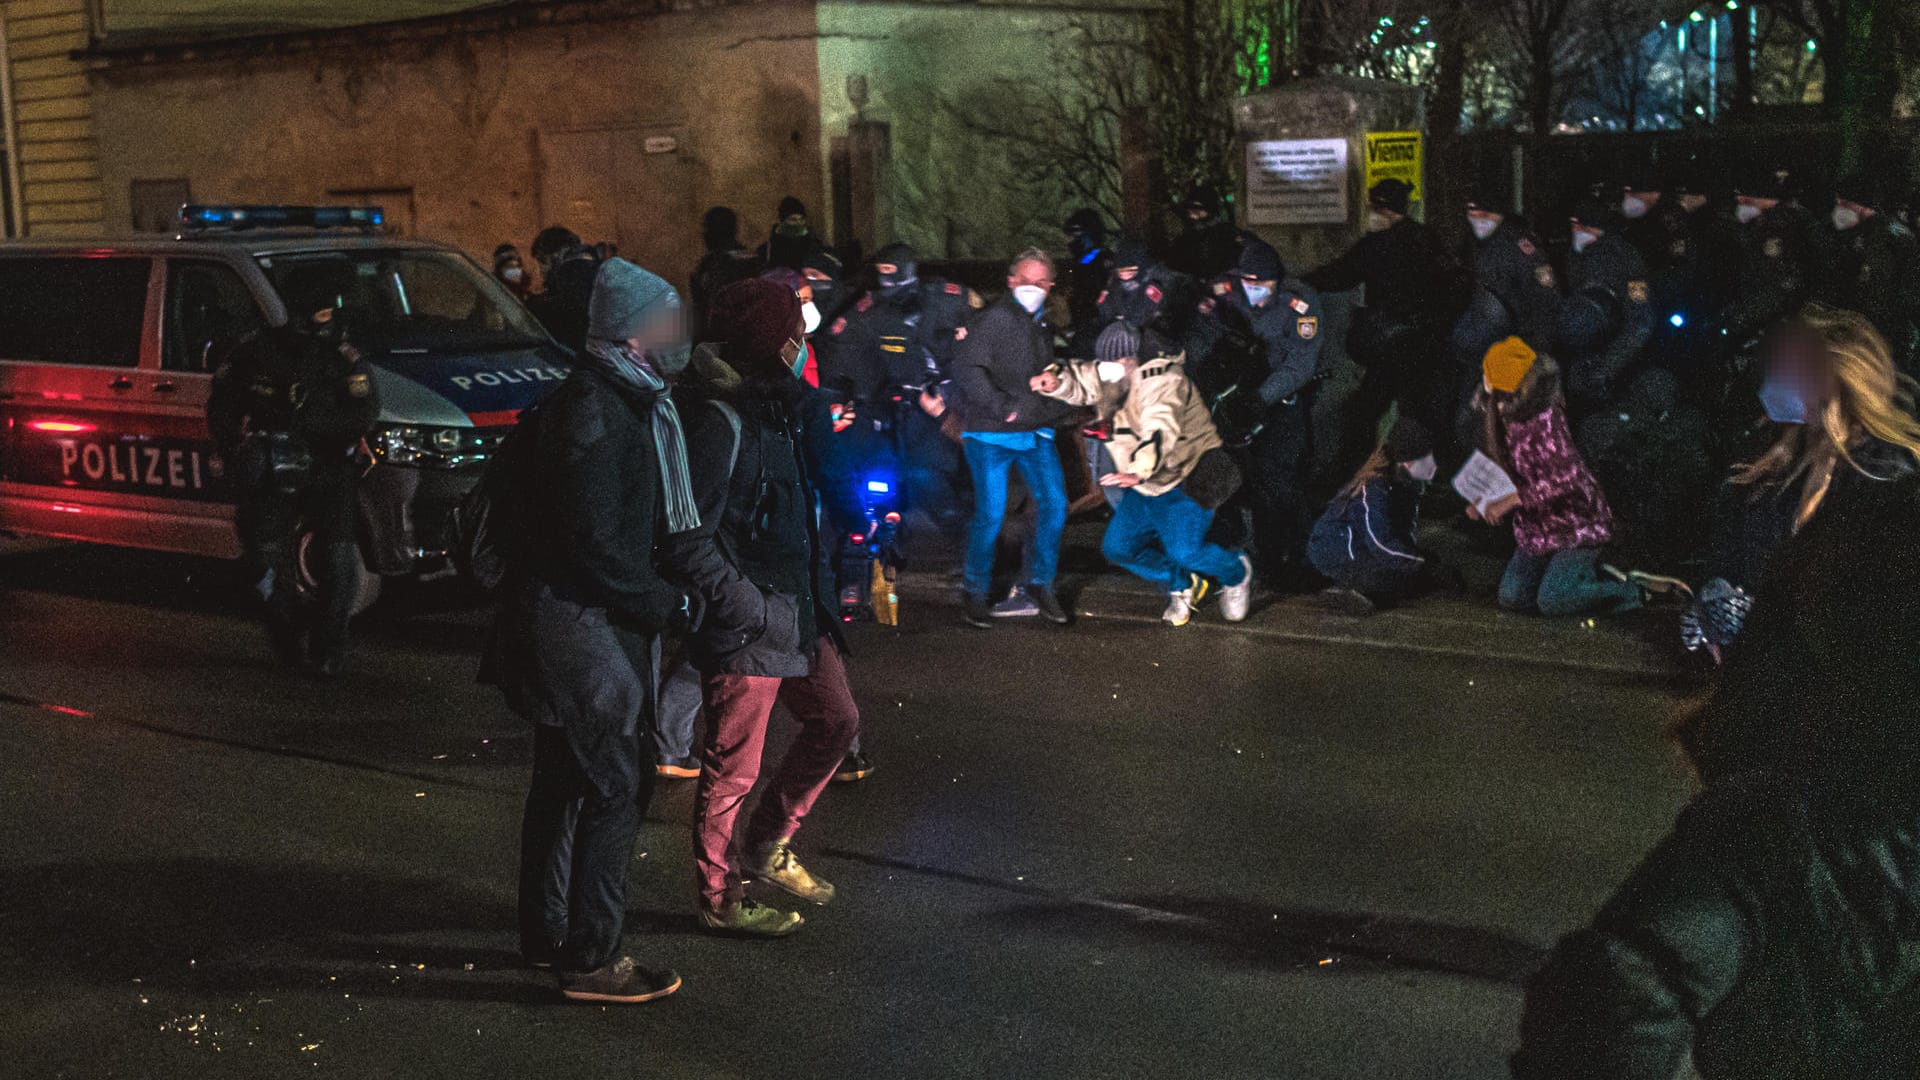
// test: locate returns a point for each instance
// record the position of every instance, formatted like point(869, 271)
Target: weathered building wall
point(947, 78)
point(58, 170)
point(624, 130)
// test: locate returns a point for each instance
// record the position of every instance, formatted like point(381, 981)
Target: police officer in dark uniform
point(882, 352)
point(1145, 292)
point(1271, 397)
point(1691, 253)
point(288, 411)
point(1510, 263)
point(827, 277)
point(1208, 245)
point(1087, 269)
point(1876, 268)
point(1515, 292)
point(1781, 258)
point(1608, 313)
point(1416, 290)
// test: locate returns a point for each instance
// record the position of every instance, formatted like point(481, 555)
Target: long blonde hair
point(1376, 465)
point(1869, 398)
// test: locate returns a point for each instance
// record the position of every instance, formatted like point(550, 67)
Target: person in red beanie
point(764, 628)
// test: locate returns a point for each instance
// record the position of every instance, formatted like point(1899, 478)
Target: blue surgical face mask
point(800, 360)
point(1783, 401)
point(1257, 294)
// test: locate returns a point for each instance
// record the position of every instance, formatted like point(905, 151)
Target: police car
point(105, 350)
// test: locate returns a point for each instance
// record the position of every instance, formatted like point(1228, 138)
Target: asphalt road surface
point(1305, 847)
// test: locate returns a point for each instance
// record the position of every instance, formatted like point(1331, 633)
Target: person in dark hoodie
point(725, 262)
point(765, 621)
point(575, 640)
point(1368, 540)
point(792, 242)
point(1771, 935)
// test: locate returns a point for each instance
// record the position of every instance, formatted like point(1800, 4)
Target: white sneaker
point(1235, 600)
point(1179, 608)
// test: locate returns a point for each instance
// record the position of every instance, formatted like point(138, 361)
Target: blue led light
point(199, 217)
point(880, 487)
point(1677, 319)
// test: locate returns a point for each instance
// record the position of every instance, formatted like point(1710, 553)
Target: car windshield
point(417, 301)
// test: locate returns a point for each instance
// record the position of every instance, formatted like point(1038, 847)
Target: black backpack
point(489, 526)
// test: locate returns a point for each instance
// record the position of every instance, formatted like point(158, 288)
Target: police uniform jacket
point(1780, 260)
point(1512, 267)
point(905, 338)
point(1157, 296)
point(1610, 274)
point(306, 382)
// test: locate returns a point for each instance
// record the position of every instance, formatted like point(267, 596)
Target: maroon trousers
point(738, 708)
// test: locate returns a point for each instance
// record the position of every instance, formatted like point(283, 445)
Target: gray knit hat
point(624, 298)
point(1119, 341)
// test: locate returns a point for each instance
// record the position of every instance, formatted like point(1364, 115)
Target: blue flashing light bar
point(201, 218)
point(879, 487)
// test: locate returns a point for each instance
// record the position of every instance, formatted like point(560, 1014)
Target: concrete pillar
point(870, 183)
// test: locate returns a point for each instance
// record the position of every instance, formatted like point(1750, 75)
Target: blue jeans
point(679, 707)
point(1040, 468)
point(1161, 538)
point(1563, 583)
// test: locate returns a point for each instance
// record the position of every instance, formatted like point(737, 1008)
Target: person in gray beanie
point(1164, 446)
point(576, 640)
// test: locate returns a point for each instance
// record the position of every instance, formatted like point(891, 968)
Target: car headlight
point(424, 446)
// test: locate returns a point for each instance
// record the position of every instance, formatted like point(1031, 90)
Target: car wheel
point(364, 585)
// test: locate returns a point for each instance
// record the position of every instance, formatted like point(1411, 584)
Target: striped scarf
point(631, 370)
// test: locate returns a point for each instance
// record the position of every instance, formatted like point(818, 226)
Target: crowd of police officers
point(1672, 274)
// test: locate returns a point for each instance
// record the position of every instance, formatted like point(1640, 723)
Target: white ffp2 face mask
point(1423, 470)
point(1031, 297)
point(1632, 206)
point(1482, 227)
point(1582, 239)
point(1746, 213)
point(1844, 219)
point(1110, 371)
point(811, 314)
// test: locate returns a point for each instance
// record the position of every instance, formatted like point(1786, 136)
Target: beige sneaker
point(748, 919)
point(775, 864)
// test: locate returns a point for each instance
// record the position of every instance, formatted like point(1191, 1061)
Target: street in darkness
point(1301, 847)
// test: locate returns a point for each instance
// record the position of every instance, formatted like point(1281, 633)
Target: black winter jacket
point(1773, 934)
point(753, 567)
point(594, 522)
point(1004, 348)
